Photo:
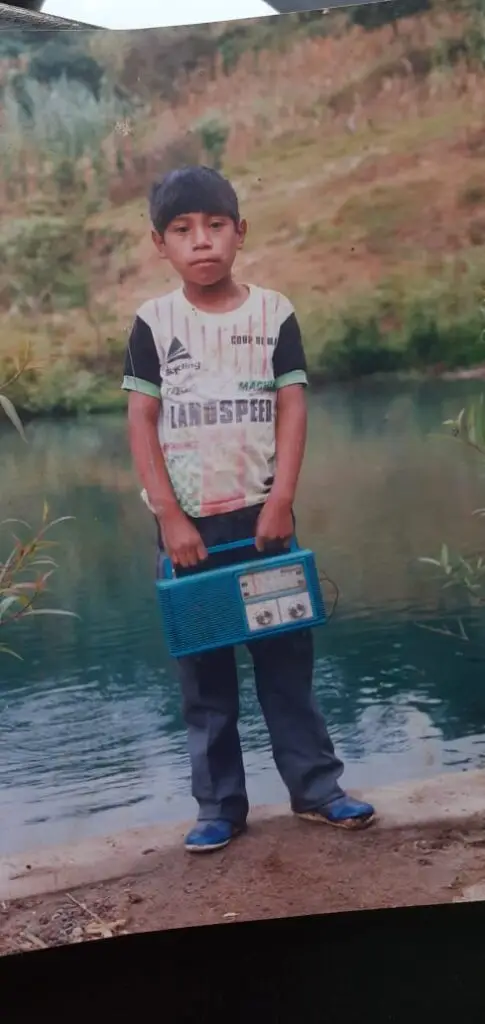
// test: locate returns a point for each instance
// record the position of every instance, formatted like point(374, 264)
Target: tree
point(63, 58)
point(17, 41)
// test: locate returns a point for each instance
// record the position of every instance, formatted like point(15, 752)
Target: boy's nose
point(201, 240)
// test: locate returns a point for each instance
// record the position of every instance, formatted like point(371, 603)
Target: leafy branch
point(457, 572)
point(25, 573)
point(22, 365)
point(469, 426)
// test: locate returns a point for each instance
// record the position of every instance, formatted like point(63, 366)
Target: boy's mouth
point(208, 262)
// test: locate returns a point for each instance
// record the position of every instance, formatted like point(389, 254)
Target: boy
point(217, 422)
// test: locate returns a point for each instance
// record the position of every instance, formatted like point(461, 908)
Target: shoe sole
point(208, 848)
point(349, 824)
point(213, 847)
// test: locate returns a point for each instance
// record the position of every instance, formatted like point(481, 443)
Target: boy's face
point(201, 247)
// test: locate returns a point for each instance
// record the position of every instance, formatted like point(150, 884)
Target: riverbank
point(114, 400)
point(363, 194)
point(428, 847)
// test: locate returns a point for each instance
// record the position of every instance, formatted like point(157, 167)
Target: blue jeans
point(283, 670)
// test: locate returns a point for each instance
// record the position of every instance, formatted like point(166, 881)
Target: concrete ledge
point(446, 799)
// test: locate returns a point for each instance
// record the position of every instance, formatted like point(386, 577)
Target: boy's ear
point(242, 230)
point(159, 243)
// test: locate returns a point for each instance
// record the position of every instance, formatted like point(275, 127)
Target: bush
point(213, 134)
point(61, 58)
point(372, 16)
point(359, 348)
point(429, 342)
point(31, 254)
point(49, 262)
point(57, 388)
point(391, 331)
point(64, 120)
point(18, 41)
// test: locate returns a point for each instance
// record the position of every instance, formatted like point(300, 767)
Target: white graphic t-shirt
point(216, 375)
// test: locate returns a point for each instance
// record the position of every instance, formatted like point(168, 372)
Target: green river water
point(91, 737)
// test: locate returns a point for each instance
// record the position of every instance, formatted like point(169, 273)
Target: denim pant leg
point(302, 748)
point(210, 699)
point(210, 704)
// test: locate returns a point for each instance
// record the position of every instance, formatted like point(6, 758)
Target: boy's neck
point(221, 297)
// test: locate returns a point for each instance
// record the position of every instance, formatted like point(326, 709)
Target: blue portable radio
point(236, 603)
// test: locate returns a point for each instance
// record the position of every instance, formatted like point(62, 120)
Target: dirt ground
point(279, 868)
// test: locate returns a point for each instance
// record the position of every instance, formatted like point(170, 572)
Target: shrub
point(464, 576)
point(358, 349)
point(213, 134)
point(372, 16)
point(397, 329)
point(25, 572)
point(458, 342)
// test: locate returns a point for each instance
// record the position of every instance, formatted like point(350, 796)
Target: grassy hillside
point(358, 154)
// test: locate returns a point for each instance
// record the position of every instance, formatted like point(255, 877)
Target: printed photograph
point(242, 436)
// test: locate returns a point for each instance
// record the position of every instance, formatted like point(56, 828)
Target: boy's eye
point(216, 224)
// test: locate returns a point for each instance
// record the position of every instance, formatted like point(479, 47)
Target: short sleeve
point(289, 363)
point(142, 365)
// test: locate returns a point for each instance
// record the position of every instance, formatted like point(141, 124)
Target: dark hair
point(191, 190)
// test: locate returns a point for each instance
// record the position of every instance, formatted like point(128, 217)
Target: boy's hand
point(181, 540)
point(275, 523)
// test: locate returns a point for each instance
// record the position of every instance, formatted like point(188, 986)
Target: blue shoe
point(345, 812)
point(208, 836)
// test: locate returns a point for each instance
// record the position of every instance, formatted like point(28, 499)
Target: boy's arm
point(143, 416)
point(291, 430)
point(142, 379)
point(290, 371)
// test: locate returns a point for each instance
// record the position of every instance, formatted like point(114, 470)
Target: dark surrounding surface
point(394, 965)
